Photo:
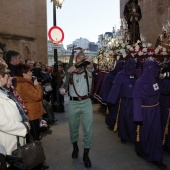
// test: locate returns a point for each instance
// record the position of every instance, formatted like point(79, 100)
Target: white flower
point(136, 44)
point(118, 57)
point(138, 41)
point(137, 48)
point(150, 53)
point(131, 49)
point(110, 52)
point(124, 55)
point(159, 46)
point(107, 54)
point(121, 41)
point(117, 45)
point(163, 49)
point(143, 45)
point(149, 45)
point(140, 53)
point(164, 53)
point(123, 45)
point(144, 50)
point(156, 50)
point(128, 46)
point(113, 45)
point(122, 50)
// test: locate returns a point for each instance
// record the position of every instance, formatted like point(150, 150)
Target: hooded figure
point(147, 116)
point(165, 110)
point(122, 89)
point(110, 118)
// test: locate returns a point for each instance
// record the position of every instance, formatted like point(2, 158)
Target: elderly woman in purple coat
point(110, 118)
point(147, 115)
point(122, 89)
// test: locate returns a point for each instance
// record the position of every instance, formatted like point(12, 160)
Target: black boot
point(87, 162)
point(75, 150)
point(160, 164)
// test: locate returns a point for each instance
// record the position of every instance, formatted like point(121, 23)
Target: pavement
point(107, 152)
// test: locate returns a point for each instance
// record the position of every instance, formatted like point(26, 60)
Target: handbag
point(31, 154)
point(47, 87)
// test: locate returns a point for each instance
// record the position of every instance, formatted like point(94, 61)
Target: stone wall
point(155, 13)
point(24, 27)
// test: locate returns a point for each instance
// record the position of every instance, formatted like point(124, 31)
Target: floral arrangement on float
point(117, 47)
point(140, 48)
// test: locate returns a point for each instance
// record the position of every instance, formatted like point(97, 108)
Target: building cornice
point(16, 37)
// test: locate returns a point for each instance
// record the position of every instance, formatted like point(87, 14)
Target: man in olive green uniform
point(80, 107)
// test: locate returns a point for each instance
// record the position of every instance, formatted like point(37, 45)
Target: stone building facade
point(155, 13)
point(24, 28)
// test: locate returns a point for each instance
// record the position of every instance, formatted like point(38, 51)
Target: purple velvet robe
point(122, 88)
point(165, 106)
point(146, 110)
point(110, 118)
point(98, 87)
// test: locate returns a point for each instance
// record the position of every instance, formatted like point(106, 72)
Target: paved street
point(107, 152)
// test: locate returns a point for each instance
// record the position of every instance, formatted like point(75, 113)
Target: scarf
point(12, 97)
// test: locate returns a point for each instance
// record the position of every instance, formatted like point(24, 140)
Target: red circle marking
point(50, 37)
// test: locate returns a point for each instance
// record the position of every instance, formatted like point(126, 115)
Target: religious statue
point(133, 15)
point(164, 39)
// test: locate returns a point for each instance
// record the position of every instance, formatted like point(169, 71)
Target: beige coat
point(10, 124)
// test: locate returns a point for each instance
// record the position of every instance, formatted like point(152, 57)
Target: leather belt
point(78, 99)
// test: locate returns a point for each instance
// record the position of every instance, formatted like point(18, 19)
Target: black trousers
point(35, 129)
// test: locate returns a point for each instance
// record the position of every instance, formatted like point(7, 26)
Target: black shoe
point(49, 131)
point(110, 128)
point(75, 154)
point(160, 165)
point(123, 141)
point(87, 162)
point(86, 159)
point(45, 166)
point(41, 167)
point(75, 151)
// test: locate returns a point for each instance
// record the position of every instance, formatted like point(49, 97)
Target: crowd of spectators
point(26, 99)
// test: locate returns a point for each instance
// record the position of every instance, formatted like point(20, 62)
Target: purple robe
point(165, 106)
point(139, 68)
point(99, 84)
point(146, 111)
point(122, 88)
point(110, 118)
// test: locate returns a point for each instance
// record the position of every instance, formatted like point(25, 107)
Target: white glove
point(62, 91)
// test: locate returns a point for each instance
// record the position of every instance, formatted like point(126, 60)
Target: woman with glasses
point(12, 114)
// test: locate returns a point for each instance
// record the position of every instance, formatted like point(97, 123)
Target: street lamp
point(56, 3)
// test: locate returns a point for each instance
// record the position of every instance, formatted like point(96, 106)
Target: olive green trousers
point(81, 111)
